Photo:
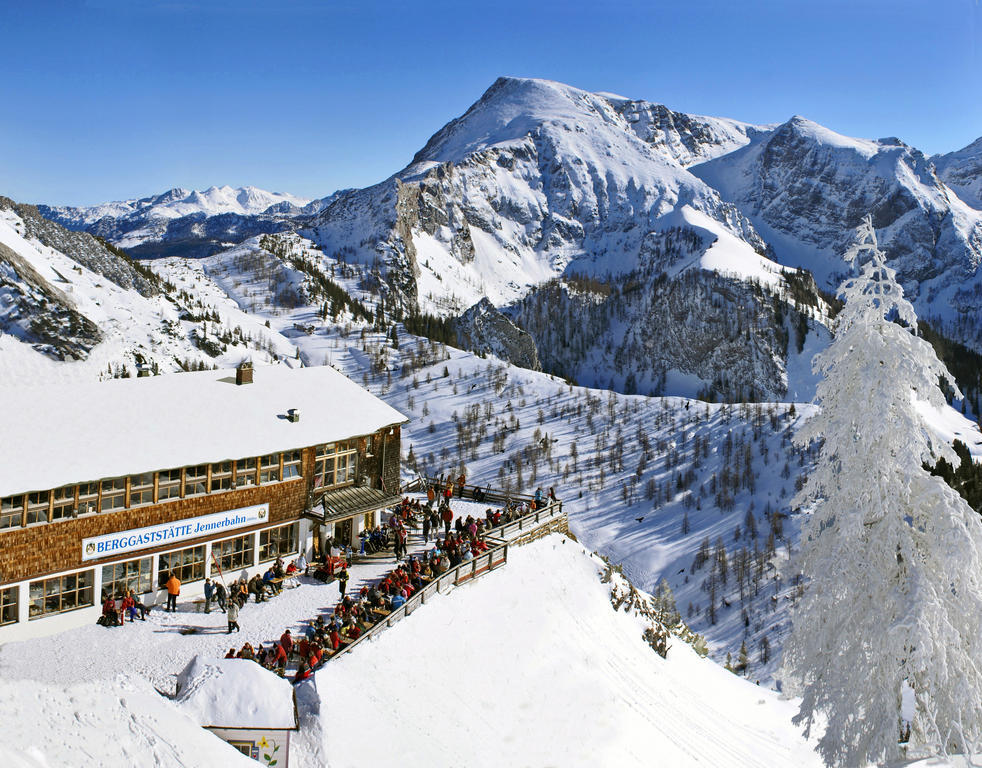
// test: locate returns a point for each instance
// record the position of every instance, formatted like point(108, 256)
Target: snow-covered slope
point(962, 171)
point(533, 666)
point(72, 308)
point(806, 188)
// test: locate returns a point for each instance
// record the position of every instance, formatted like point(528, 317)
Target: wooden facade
point(35, 551)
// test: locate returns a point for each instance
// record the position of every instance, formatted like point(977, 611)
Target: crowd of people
point(463, 538)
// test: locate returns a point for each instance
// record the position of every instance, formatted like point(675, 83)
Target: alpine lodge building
point(107, 486)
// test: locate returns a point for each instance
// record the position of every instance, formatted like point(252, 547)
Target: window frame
point(187, 570)
point(78, 590)
point(218, 475)
point(292, 464)
point(12, 516)
point(246, 476)
point(264, 548)
point(138, 491)
point(127, 576)
point(195, 480)
point(63, 507)
point(9, 599)
point(270, 468)
point(87, 498)
point(237, 557)
point(38, 508)
point(166, 483)
point(117, 490)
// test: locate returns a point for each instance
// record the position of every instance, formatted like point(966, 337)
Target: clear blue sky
point(109, 99)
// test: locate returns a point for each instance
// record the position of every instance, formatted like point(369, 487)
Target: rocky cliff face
point(658, 329)
point(81, 247)
point(36, 313)
point(962, 171)
point(806, 188)
point(485, 330)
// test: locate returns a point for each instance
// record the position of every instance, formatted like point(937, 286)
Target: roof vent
point(243, 373)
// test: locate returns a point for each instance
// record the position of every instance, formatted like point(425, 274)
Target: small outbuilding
point(242, 703)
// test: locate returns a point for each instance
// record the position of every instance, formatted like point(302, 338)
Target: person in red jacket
point(109, 614)
point(335, 638)
point(231, 654)
point(286, 642)
point(279, 661)
point(128, 606)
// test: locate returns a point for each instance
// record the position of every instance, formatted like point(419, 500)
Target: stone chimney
point(243, 373)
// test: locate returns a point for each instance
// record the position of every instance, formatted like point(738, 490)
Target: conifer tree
point(892, 555)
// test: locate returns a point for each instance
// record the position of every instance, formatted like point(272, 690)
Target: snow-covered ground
point(531, 666)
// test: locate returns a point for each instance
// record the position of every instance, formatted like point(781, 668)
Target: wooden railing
point(473, 492)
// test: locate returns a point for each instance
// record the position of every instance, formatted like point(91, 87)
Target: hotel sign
point(170, 533)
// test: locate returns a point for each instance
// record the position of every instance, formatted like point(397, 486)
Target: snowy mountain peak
point(174, 203)
point(809, 130)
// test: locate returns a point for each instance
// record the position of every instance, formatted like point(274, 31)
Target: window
point(168, 484)
point(88, 498)
point(12, 512)
point(344, 471)
point(221, 476)
point(245, 747)
point(113, 494)
point(141, 489)
point(324, 466)
point(60, 594)
point(64, 502)
point(269, 468)
point(291, 464)
point(37, 507)
point(233, 554)
point(245, 472)
point(279, 542)
point(188, 564)
point(132, 574)
point(8, 606)
point(335, 464)
point(196, 480)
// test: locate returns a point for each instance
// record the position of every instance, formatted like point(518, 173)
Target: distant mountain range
point(540, 186)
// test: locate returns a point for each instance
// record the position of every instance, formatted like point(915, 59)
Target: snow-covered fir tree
point(892, 555)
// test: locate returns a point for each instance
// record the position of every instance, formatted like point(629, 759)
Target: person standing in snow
point(220, 595)
point(209, 594)
point(343, 580)
point(173, 590)
point(232, 614)
point(426, 528)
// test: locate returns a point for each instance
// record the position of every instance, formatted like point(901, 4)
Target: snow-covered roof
point(235, 693)
point(61, 434)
